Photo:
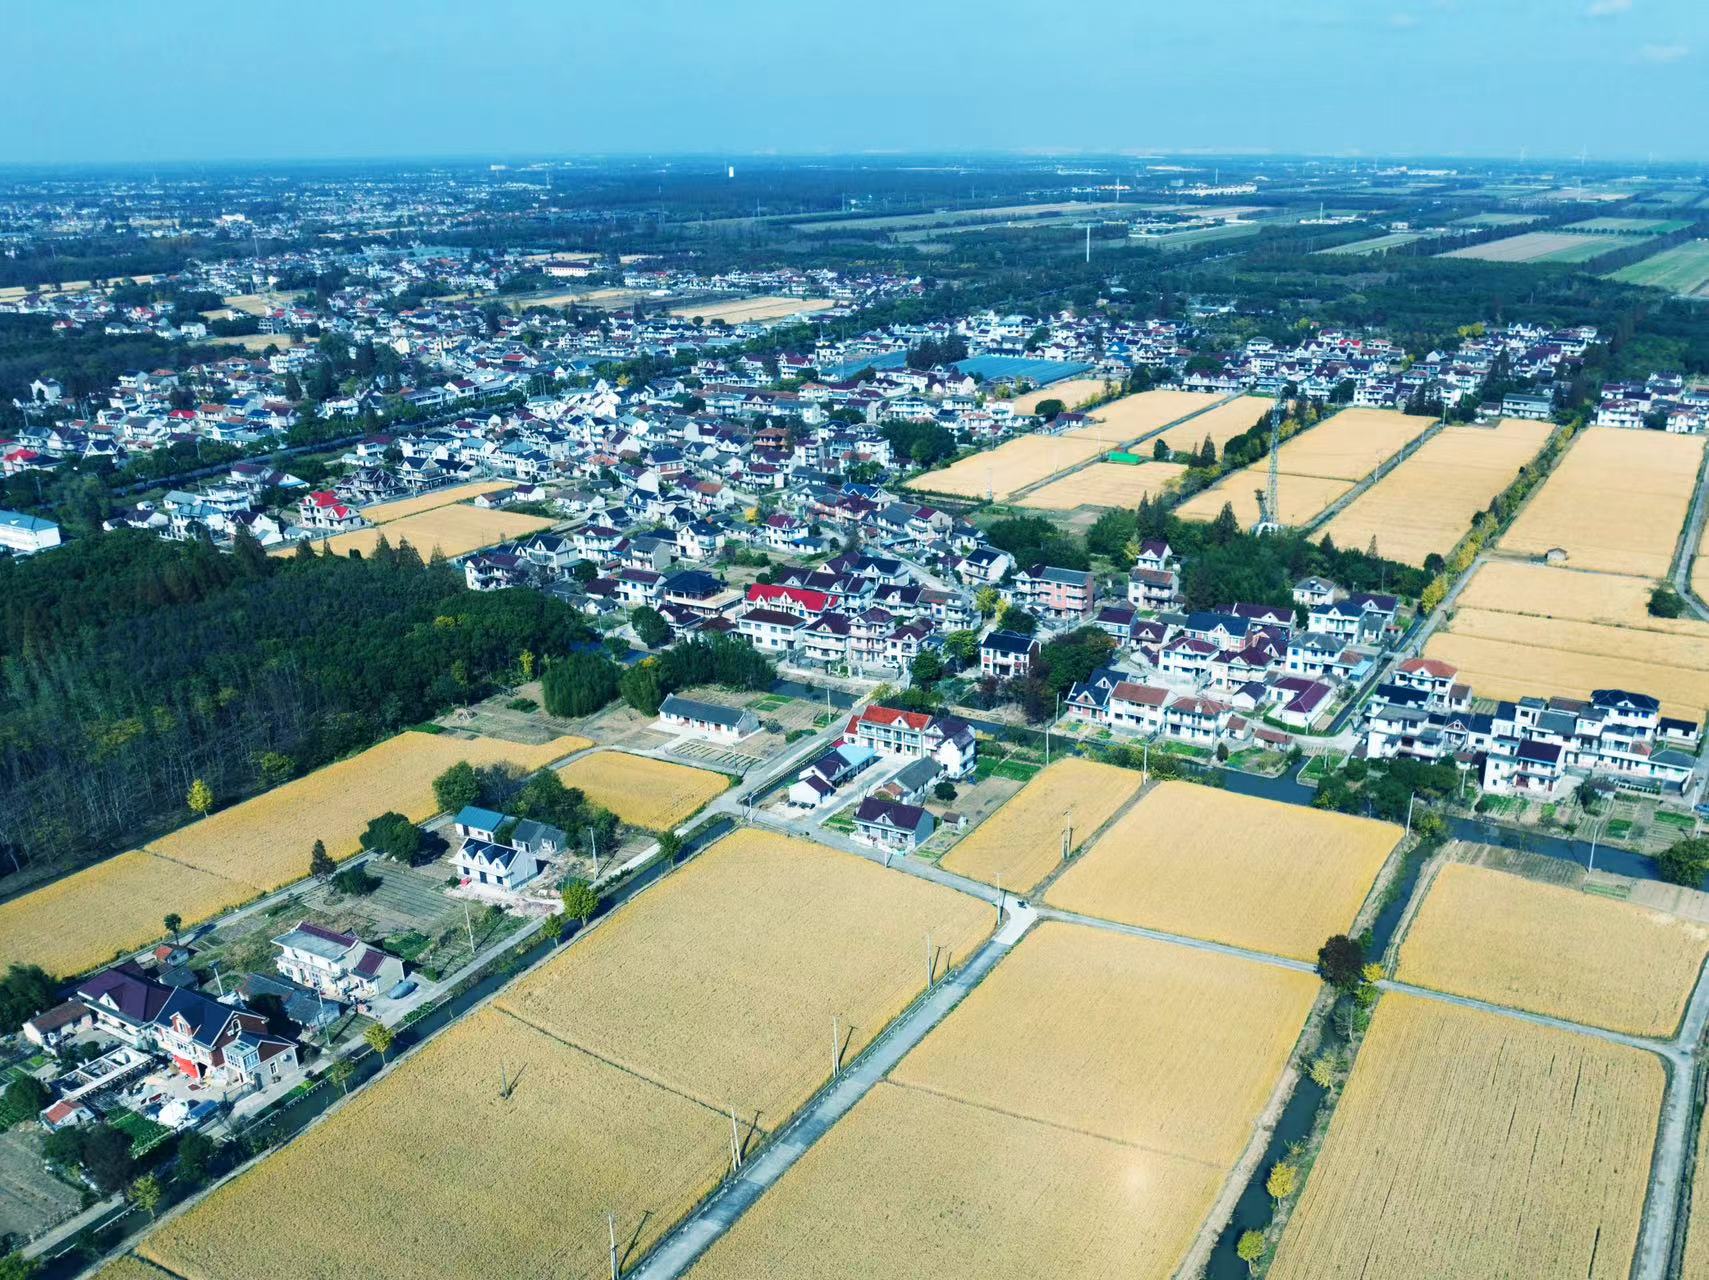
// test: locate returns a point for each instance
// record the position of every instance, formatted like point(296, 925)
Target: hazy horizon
point(199, 82)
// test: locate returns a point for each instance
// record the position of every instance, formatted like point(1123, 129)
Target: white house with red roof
point(914, 735)
point(324, 510)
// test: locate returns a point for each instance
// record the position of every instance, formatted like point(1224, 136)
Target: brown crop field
point(721, 981)
point(1549, 949)
point(1697, 1232)
point(1106, 484)
point(1026, 1136)
point(752, 310)
point(453, 531)
point(1133, 416)
point(1230, 868)
point(265, 841)
point(1220, 424)
point(1022, 842)
point(1553, 591)
point(1300, 498)
point(1012, 465)
point(644, 792)
point(87, 918)
point(1533, 667)
point(1531, 246)
point(424, 1171)
point(1700, 567)
point(1427, 503)
point(1587, 505)
point(1073, 392)
point(127, 1267)
point(1469, 1145)
point(385, 512)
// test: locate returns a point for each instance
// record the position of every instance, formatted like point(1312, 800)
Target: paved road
point(679, 1250)
point(1686, 550)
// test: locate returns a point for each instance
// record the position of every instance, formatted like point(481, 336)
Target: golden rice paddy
point(1219, 425)
point(1012, 465)
point(1106, 484)
point(752, 310)
point(1133, 416)
point(1469, 1145)
point(451, 531)
point(385, 512)
point(1229, 868)
point(644, 792)
point(1549, 949)
point(1073, 393)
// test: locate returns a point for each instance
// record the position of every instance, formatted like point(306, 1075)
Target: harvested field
point(454, 531)
point(1316, 466)
point(1376, 244)
point(644, 792)
point(1219, 425)
point(1548, 949)
point(253, 341)
point(1586, 505)
point(1427, 503)
point(1131, 417)
point(1230, 868)
point(423, 1171)
point(129, 1268)
point(113, 907)
point(1513, 669)
point(259, 304)
point(1554, 591)
point(1021, 843)
point(948, 217)
point(1106, 484)
point(977, 1160)
point(386, 512)
point(912, 1184)
point(753, 310)
point(1542, 246)
point(1012, 465)
point(1697, 1232)
point(1073, 392)
point(744, 956)
point(1682, 270)
point(1700, 568)
point(265, 841)
point(1469, 1145)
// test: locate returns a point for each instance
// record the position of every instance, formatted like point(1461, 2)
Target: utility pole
point(735, 1143)
point(836, 1048)
point(611, 1230)
point(929, 965)
point(593, 851)
point(1409, 799)
point(469, 928)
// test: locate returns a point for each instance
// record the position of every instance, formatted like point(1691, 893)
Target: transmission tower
point(1269, 512)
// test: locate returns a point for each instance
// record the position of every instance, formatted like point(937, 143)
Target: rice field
point(126, 1267)
point(1681, 270)
point(1697, 1232)
point(1587, 505)
point(1012, 465)
point(1131, 417)
point(1229, 868)
point(644, 792)
point(1469, 1145)
point(424, 1171)
point(1026, 1136)
point(386, 512)
point(1554, 591)
point(1219, 425)
point(1021, 843)
point(1073, 392)
point(752, 310)
point(1427, 503)
point(1514, 669)
point(720, 982)
point(1377, 244)
point(452, 531)
point(239, 853)
point(1106, 484)
point(1316, 467)
point(1553, 950)
point(948, 217)
point(1543, 246)
point(1629, 226)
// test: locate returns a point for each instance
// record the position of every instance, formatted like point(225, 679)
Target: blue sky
point(106, 80)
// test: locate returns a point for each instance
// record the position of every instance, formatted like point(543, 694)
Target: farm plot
point(1629, 226)
point(1543, 246)
point(1012, 465)
point(1697, 1232)
point(1682, 270)
point(1219, 425)
point(1518, 668)
point(1316, 466)
point(1106, 484)
point(265, 841)
point(644, 792)
point(1554, 591)
point(740, 960)
point(1073, 393)
point(452, 531)
point(404, 1179)
point(129, 1268)
point(1426, 504)
point(1022, 842)
point(1470, 1145)
point(1700, 567)
point(386, 512)
point(1133, 416)
point(753, 310)
point(1587, 506)
point(1549, 949)
point(1026, 1137)
point(1229, 868)
point(1377, 244)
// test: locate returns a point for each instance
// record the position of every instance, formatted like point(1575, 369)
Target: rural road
point(1690, 536)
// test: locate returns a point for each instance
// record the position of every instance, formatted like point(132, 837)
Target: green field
point(1682, 270)
point(1199, 235)
point(1497, 219)
point(1635, 226)
point(1377, 244)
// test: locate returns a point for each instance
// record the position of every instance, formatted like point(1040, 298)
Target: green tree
point(581, 900)
point(146, 1194)
point(1160, 450)
point(380, 1039)
point(200, 798)
point(1324, 1069)
point(393, 835)
point(195, 1152)
point(580, 684)
point(106, 1157)
point(1049, 410)
point(927, 668)
point(670, 847)
point(173, 922)
point(25, 991)
point(1283, 1181)
point(458, 787)
point(642, 688)
point(1686, 862)
point(1250, 1249)
point(26, 1095)
point(1341, 962)
point(275, 768)
point(650, 626)
point(340, 1073)
point(321, 864)
point(987, 600)
point(15, 1266)
point(1665, 602)
point(963, 646)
